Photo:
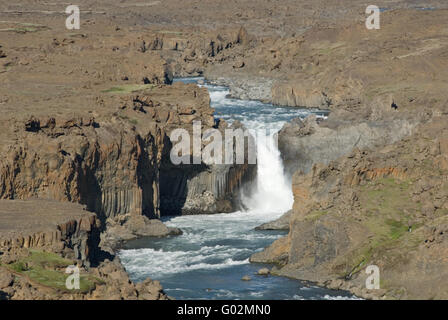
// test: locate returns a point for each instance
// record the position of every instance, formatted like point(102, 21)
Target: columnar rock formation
point(49, 225)
point(113, 164)
point(304, 143)
point(40, 239)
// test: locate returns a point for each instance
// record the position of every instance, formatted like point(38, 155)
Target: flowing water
point(210, 258)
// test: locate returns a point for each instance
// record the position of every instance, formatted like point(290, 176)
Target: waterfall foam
point(272, 193)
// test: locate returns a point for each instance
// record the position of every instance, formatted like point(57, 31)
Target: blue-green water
point(210, 258)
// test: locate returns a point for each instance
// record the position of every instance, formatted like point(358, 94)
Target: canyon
point(86, 117)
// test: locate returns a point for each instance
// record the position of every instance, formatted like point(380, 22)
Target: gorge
point(211, 256)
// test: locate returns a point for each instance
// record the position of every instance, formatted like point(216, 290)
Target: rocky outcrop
point(305, 143)
point(281, 223)
point(190, 54)
point(113, 164)
point(39, 239)
point(386, 207)
point(191, 189)
point(107, 281)
point(128, 227)
point(49, 225)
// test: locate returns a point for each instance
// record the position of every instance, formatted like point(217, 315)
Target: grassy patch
point(387, 196)
point(132, 121)
point(389, 210)
point(315, 215)
point(48, 269)
point(128, 88)
point(170, 32)
point(23, 27)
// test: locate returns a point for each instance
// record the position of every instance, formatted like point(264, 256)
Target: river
point(210, 258)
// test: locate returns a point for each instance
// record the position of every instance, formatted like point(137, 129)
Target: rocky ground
point(86, 115)
point(39, 239)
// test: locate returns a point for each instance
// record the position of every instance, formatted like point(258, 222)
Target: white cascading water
point(273, 193)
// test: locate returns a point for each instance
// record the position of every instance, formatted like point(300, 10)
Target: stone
point(6, 278)
point(263, 272)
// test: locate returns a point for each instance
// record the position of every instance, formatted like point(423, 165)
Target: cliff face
point(384, 207)
point(40, 239)
point(49, 225)
point(82, 161)
point(304, 143)
point(203, 189)
point(113, 162)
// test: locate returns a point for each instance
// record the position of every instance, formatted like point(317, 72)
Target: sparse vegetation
point(21, 27)
point(388, 209)
point(48, 269)
point(124, 89)
point(315, 215)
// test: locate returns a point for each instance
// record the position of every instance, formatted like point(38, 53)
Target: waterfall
point(273, 192)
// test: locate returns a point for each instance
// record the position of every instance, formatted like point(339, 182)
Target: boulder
point(263, 272)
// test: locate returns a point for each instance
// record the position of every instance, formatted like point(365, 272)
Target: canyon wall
point(385, 207)
point(305, 143)
point(112, 163)
point(58, 227)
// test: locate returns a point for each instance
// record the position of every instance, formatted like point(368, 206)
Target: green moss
point(49, 259)
point(315, 215)
point(24, 27)
point(396, 228)
point(124, 117)
point(388, 212)
point(19, 266)
point(169, 32)
point(48, 269)
point(129, 88)
point(388, 197)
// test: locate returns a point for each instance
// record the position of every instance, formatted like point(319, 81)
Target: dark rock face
point(202, 189)
point(305, 143)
